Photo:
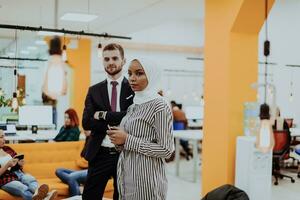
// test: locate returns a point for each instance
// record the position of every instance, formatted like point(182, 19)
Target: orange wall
point(80, 61)
point(231, 57)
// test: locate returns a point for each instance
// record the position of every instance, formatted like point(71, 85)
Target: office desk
point(295, 132)
point(28, 135)
point(194, 136)
point(42, 135)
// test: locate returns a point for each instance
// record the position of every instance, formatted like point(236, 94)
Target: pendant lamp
point(99, 50)
point(265, 134)
point(55, 83)
point(14, 103)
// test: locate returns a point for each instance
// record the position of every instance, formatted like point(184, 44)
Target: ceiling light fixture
point(263, 139)
point(64, 51)
point(40, 42)
point(32, 48)
point(55, 82)
point(49, 33)
point(100, 50)
point(78, 17)
point(14, 103)
point(25, 52)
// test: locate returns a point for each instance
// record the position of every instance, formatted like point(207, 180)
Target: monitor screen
point(194, 112)
point(35, 115)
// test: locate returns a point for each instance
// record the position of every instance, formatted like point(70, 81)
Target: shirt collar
point(119, 80)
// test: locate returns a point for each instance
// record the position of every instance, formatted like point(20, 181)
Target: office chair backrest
point(282, 142)
point(178, 125)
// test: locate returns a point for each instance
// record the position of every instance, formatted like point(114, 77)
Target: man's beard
point(114, 72)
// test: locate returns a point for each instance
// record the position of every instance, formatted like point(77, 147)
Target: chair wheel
point(276, 183)
point(292, 180)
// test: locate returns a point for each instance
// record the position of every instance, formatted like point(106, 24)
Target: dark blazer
point(97, 99)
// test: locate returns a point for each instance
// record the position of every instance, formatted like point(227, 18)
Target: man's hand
point(117, 135)
point(87, 133)
point(12, 162)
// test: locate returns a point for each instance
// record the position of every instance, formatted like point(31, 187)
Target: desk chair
point(281, 152)
point(179, 125)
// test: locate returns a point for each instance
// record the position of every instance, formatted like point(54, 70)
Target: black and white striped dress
point(141, 166)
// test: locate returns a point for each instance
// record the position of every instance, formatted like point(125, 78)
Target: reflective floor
point(183, 188)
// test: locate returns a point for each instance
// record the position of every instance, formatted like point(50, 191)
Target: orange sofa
point(42, 159)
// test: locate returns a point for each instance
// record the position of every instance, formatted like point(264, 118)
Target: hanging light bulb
point(202, 100)
point(291, 98)
point(55, 83)
point(64, 53)
point(263, 139)
point(99, 50)
point(14, 103)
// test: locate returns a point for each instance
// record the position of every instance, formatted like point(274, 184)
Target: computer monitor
point(8, 129)
point(35, 115)
point(194, 112)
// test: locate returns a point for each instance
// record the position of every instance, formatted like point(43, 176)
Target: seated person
point(14, 181)
point(75, 178)
point(70, 130)
point(179, 116)
point(280, 123)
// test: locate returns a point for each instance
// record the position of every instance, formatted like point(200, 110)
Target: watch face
point(100, 114)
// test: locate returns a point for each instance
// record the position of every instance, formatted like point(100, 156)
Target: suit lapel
point(104, 94)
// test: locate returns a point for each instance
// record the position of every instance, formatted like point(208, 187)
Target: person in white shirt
point(106, 104)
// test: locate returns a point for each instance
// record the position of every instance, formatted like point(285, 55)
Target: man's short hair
point(114, 46)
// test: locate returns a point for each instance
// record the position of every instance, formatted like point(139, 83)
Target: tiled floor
point(182, 187)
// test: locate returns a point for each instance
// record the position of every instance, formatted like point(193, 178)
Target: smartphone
point(19, 157)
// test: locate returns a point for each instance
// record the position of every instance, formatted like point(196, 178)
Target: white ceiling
point(116, 17)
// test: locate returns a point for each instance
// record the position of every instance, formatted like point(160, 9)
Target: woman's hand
point(117, 135)
point(11, 163)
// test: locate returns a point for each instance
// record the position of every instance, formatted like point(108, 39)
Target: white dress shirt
point(106, 141)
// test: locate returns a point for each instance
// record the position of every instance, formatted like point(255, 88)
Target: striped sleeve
point(164, 146)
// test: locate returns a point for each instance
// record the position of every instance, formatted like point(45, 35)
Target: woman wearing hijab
point(144, 137)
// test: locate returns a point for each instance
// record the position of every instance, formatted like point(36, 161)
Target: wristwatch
point(101, 115)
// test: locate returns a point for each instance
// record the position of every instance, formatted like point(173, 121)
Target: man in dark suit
point(106, 104)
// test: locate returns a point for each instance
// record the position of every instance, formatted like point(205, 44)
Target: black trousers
point(101, 169)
